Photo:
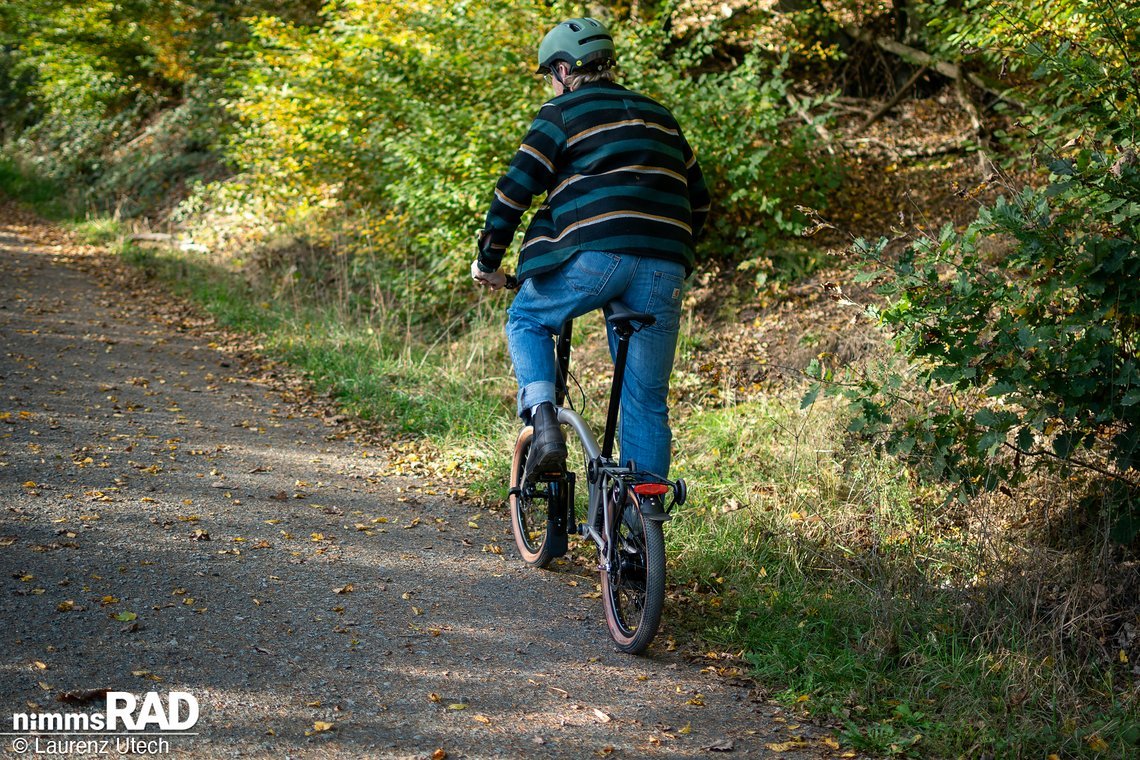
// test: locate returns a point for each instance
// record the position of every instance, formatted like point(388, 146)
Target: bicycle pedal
point(546, 477)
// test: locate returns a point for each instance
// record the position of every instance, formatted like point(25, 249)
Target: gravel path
point(169, 523)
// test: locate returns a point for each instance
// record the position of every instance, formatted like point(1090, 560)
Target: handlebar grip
point(512, 282)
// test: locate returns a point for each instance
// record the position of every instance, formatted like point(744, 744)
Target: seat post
point(623, 330)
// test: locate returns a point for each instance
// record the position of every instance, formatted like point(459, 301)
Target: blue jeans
point(589, 281)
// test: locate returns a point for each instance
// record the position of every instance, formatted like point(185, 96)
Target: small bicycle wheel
point(633, 589)
point(531, 505)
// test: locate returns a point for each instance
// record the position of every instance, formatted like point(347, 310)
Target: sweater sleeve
point(531, 172)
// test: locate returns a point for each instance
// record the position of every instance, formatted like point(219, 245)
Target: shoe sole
point(553, 464)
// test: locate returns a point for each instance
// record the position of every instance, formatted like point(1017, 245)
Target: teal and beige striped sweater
point(618, 176)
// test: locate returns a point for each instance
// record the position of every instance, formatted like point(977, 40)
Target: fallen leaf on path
point(786, 746)
point(601, 716)
point(724, 745)
point(439, 754)
point(320, 726)
point(345, 589)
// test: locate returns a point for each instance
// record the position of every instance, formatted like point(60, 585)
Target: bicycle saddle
point(621, 316)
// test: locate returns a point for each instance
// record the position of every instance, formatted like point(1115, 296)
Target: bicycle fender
point(655, 514)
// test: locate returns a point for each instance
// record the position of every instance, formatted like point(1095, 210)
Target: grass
point(851, 590)
point(43, 194)
point(845, 583)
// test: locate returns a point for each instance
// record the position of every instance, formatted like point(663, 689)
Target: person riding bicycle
point(625, 201)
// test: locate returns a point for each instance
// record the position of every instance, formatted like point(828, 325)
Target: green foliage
point(398, 116)
point(390, 123)
point(1070, 63)
point(760, 159)
point(1024, 325)
point(81, 83)
point(41, 193)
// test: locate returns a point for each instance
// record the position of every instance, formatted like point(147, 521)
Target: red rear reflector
point(650, 489)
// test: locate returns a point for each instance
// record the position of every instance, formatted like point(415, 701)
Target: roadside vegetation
point(907, 399)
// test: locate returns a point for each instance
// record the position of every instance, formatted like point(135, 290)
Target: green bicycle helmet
point(577, 41)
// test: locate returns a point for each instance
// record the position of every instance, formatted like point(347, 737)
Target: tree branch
point(922, 58)
point(894, 101)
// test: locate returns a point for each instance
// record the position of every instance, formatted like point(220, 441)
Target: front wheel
point(633, 589)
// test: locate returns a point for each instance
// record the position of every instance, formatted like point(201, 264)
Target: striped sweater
point(618, 176)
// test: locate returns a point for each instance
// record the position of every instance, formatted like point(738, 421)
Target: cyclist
point(625, 200)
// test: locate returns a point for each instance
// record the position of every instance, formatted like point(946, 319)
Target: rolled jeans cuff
point(535, 393)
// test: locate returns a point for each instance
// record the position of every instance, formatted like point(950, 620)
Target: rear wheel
point(633, 589)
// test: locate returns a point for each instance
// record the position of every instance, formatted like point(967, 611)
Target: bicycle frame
point(625, 506)
point(561, 389)
point(600, 464)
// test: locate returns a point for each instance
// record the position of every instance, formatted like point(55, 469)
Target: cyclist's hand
point(496, 280)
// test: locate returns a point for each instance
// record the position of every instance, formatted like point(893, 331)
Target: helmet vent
point(594, 38)
point(574, 27)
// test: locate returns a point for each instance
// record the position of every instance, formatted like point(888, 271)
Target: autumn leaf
point(125, 617)
point(345, 589)
point(320, 727)
point(787, 746)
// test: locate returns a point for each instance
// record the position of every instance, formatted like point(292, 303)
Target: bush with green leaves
point(1025, 326)
point(389, 124)
point(761, 159)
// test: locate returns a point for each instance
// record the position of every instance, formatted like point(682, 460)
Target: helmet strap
point(556, 74)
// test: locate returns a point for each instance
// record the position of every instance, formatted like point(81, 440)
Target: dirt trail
point(168, 523)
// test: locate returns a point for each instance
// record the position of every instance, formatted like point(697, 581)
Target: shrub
point(1024, 325)
point(392, 123)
